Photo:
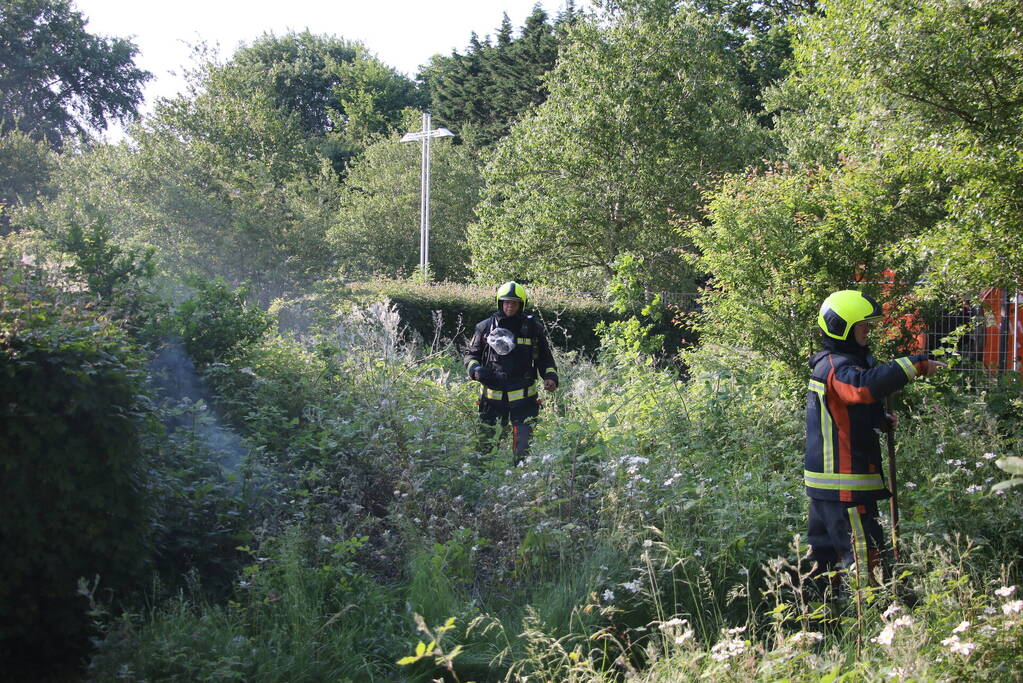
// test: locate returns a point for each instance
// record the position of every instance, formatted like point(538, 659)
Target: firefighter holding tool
point(844, 415)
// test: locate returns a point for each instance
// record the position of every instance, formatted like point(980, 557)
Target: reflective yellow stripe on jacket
point(849, 482)
point(821, 389)
point(516, 395)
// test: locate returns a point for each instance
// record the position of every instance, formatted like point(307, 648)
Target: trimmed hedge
point(570, 320)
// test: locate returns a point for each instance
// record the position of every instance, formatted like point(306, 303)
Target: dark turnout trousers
point(519, 413)
point(846, 535)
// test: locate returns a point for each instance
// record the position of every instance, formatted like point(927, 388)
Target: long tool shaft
point(893, 486)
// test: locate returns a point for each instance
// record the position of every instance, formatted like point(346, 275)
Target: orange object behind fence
point(1003, 330)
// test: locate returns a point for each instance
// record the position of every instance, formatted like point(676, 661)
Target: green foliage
point(640, 113)
point(101, 264)
point(338, 92)
point(481, 93)
point(780, 241)
point(73, 481)
point(302, 610)
point(761, 34)
point(25, 168)
point(201, 512)
point(377, 231)
point(60, 81)
point(932, 90)
point(221, 182)
point(217, 323)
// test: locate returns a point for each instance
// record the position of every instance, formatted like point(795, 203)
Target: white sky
point(402, 33)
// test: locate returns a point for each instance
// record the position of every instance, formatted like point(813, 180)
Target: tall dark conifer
point(481, 93)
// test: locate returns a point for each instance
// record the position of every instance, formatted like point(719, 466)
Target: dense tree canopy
point(57, 80)
point(481, 93)
point(25, 166)
point(640, 113)
point(338, 93)
point(932, 90)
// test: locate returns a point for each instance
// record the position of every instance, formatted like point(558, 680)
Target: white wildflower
point(608, 595)
point(672, 623)
point(736, 631)
point(910, 485)
point(648, 543)
point(963, 625)
point(1014, 607)
point(697, 553)
point(727, 649)
point(892, 609)
point(903, 621)
point(1005, 591)
point(632, 586)
point(886, 635)
point(990, 456)
point(686, 636)
point(808, 637)
point(939, 449)
point(958, 646)
point(974, 488)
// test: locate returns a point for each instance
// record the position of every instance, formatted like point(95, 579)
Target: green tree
point(221, 181)
point(336, 91)
point(780, 241)
point(932, 90)
point(760, 33)
point(639, 114)
point(482, 92)
point(57, 80)
point(378, 225)
point(25, 167)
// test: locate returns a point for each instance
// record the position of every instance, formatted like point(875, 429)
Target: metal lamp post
point(425, 136)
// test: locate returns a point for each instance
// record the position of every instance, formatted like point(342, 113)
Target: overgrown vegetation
point(238, 441)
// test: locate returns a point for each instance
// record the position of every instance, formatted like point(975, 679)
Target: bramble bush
point(217, 321)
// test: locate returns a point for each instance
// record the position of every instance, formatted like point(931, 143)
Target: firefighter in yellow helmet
point(507, 354)
point(844, 412)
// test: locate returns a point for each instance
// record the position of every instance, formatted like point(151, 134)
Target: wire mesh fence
point(986, 338)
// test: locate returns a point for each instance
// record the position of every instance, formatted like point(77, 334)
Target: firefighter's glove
point(482, 373)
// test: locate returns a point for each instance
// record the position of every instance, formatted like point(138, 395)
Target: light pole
point(424, 188)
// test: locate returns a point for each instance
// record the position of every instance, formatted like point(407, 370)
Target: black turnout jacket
point(844, 410)
point(531, 357)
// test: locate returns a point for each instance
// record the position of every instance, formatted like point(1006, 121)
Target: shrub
point(70, 429)
point(571, 321)
point(217, 322)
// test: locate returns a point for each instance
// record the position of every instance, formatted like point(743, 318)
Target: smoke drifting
point(187, 403)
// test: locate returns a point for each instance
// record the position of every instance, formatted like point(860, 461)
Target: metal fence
point(986, 337)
